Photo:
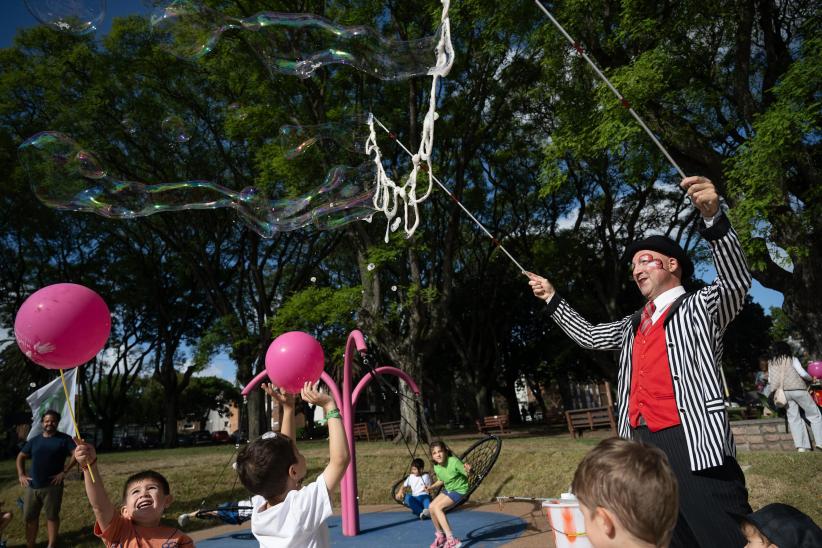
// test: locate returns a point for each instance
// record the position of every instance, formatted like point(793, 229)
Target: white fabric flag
point(51, 396)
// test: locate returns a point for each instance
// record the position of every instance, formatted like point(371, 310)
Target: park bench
point(590, 419)
point(361, 431)
point(493, 422)
point(389, 429)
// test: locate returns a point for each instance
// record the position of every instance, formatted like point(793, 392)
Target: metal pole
point(622, 100)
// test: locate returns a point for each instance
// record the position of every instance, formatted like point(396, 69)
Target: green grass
point(530, 467)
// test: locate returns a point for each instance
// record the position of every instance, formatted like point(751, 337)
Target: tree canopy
point(528, 139)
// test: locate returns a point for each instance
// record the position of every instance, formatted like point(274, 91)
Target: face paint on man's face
point(647, 261)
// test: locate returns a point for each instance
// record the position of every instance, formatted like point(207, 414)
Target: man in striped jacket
point(670, 394)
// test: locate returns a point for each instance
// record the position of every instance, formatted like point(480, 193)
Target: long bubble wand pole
point(393, 137)
point(624, 102)
point(73, 420)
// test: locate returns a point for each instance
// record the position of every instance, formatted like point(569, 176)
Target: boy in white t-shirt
point(286, 514)
point(414, 492)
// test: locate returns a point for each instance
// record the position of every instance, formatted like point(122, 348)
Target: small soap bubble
point(75, 17)
point(313, 279)
point(129, 126)
point(32, 385)
point(371, 266)
point(89, 166)
point(236, 111)
point(249, 193)
point(393, 288)
point(175, 129)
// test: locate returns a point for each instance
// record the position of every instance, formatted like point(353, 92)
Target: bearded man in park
point(44, 485)
point(669, 391)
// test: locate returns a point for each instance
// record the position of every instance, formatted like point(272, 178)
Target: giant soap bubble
point(76, 17)
point(65, 176)
point(297, 43)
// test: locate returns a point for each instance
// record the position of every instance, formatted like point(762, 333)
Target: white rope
point(451, 195)
point(388, 194)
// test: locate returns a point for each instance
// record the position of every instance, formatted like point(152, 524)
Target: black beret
point(666, 246)
point(784, 525)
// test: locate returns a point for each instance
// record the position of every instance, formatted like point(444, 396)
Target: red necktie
point(647, 312)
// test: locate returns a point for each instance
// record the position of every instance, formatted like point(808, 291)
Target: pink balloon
point(62, 326)
point(815, 369)
point(293, 359)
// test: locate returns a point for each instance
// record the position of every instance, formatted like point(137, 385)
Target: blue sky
point(16, 16)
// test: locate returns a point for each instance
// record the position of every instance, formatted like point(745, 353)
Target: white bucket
point(567, 522)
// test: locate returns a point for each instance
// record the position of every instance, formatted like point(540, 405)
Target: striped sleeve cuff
point(553, 303)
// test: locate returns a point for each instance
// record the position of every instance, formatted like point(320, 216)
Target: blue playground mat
point(381, 529)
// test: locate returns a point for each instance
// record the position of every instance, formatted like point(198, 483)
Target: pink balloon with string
point(62, 326)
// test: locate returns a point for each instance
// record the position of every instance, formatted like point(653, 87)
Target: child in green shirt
point(452, 476)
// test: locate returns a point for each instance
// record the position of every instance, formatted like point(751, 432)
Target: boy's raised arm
point(286, 403)
point(86, 456)
point(337, 442)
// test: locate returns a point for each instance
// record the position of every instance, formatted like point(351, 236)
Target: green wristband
point(333, 414)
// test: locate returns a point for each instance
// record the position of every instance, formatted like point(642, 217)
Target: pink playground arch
point(347, 402)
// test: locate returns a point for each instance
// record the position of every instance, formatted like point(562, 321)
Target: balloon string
point(625, 104)
point(73, 420)
point(497, 243)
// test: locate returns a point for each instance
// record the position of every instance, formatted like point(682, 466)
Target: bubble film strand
point(64, 176)
point(297, 43)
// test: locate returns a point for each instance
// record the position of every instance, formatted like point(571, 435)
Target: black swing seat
point(227, 513)
point(482, 456)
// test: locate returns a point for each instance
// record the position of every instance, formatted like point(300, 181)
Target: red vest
point(652, 390)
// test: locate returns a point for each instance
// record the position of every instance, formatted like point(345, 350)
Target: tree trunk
point(412, 429)
point(256, 413)
point(802, 304)
point(107, 443)
point(481, 398)
point(510, 394)
point(170, 421)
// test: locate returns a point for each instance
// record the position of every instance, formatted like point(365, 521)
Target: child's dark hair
point(147, 475)
point(635, 482)
point(263, 465)
point(419, 464)
point(780, 349)
point(782, 525)
point(445, 449)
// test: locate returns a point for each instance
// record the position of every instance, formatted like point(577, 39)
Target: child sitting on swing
point(452, 476)
point(284, 512)
point(414, 492)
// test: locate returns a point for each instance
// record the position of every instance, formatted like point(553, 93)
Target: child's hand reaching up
point(85, 454)
point(312, 394)
point(284, 399)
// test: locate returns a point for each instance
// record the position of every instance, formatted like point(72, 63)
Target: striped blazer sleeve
point(603, 336)
point(726, 295)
